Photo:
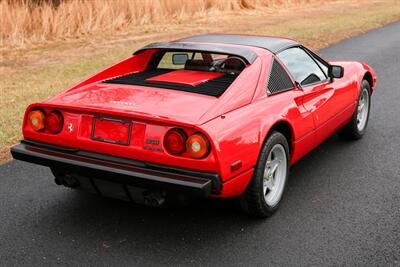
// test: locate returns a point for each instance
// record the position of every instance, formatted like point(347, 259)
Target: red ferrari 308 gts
point(216, 115)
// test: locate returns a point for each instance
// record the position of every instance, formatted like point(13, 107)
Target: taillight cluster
point(177, 142)
point(52, 122)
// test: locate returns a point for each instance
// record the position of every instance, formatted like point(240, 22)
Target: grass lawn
point(35, 73)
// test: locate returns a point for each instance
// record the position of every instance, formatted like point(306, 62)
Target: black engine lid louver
point(215, 87)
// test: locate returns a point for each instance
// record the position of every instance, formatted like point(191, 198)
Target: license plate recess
point(111, 130)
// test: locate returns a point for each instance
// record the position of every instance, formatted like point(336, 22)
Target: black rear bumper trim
point(120, 170)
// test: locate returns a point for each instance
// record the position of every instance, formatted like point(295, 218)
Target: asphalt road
point(342, 204)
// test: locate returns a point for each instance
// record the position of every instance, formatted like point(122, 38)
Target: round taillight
point(175, 141)
point(197, 146)
point(54, 122)
point(36, 120)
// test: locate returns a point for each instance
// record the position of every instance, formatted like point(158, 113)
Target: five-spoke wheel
point(266, 188)
point(275, 174)
point(356, 128)
point(363, 109)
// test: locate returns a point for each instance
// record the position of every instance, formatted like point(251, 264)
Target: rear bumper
point(124, 172)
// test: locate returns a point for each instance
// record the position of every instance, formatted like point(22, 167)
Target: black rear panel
point(214, 87)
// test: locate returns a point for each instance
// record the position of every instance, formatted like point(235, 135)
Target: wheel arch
point(285, 128)
point(368, 77)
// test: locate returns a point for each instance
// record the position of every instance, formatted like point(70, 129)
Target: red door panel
point(326, 101)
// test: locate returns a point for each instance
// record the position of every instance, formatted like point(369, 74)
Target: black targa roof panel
point(242, 52)
point(273, 44)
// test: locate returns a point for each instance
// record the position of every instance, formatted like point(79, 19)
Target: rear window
point(166, 62)
point(180, 60)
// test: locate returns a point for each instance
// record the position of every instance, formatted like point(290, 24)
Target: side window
point(322, 66)
point(278, 80)
point(302, 67)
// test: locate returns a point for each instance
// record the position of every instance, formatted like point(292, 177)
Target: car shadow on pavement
point(103, 224)
point(205, 215)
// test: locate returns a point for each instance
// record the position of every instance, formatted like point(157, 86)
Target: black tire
point(350, 131)
point(253, 201)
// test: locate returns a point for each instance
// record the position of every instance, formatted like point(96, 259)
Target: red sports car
point(218, 115)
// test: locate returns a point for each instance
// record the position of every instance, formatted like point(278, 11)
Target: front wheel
point(356, 128)
point(265, 190)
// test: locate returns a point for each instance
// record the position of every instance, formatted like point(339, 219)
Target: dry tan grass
point(25, 22)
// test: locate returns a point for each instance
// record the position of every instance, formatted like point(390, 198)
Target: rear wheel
point(265, 190)
point(356, 128)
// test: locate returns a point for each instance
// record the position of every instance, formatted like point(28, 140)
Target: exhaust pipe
point(58, 181)
point(154, 199)
point(66, 180)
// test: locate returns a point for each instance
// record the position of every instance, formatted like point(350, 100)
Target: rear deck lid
point(132, 99)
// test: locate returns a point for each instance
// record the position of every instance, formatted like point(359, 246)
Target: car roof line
point(270, 43)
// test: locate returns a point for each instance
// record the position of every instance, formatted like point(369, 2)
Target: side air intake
point(279, 80)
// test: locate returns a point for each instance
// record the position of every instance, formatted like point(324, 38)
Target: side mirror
point(335, 71)
point(179, 58)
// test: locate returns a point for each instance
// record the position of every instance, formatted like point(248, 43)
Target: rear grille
point(215, 87)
